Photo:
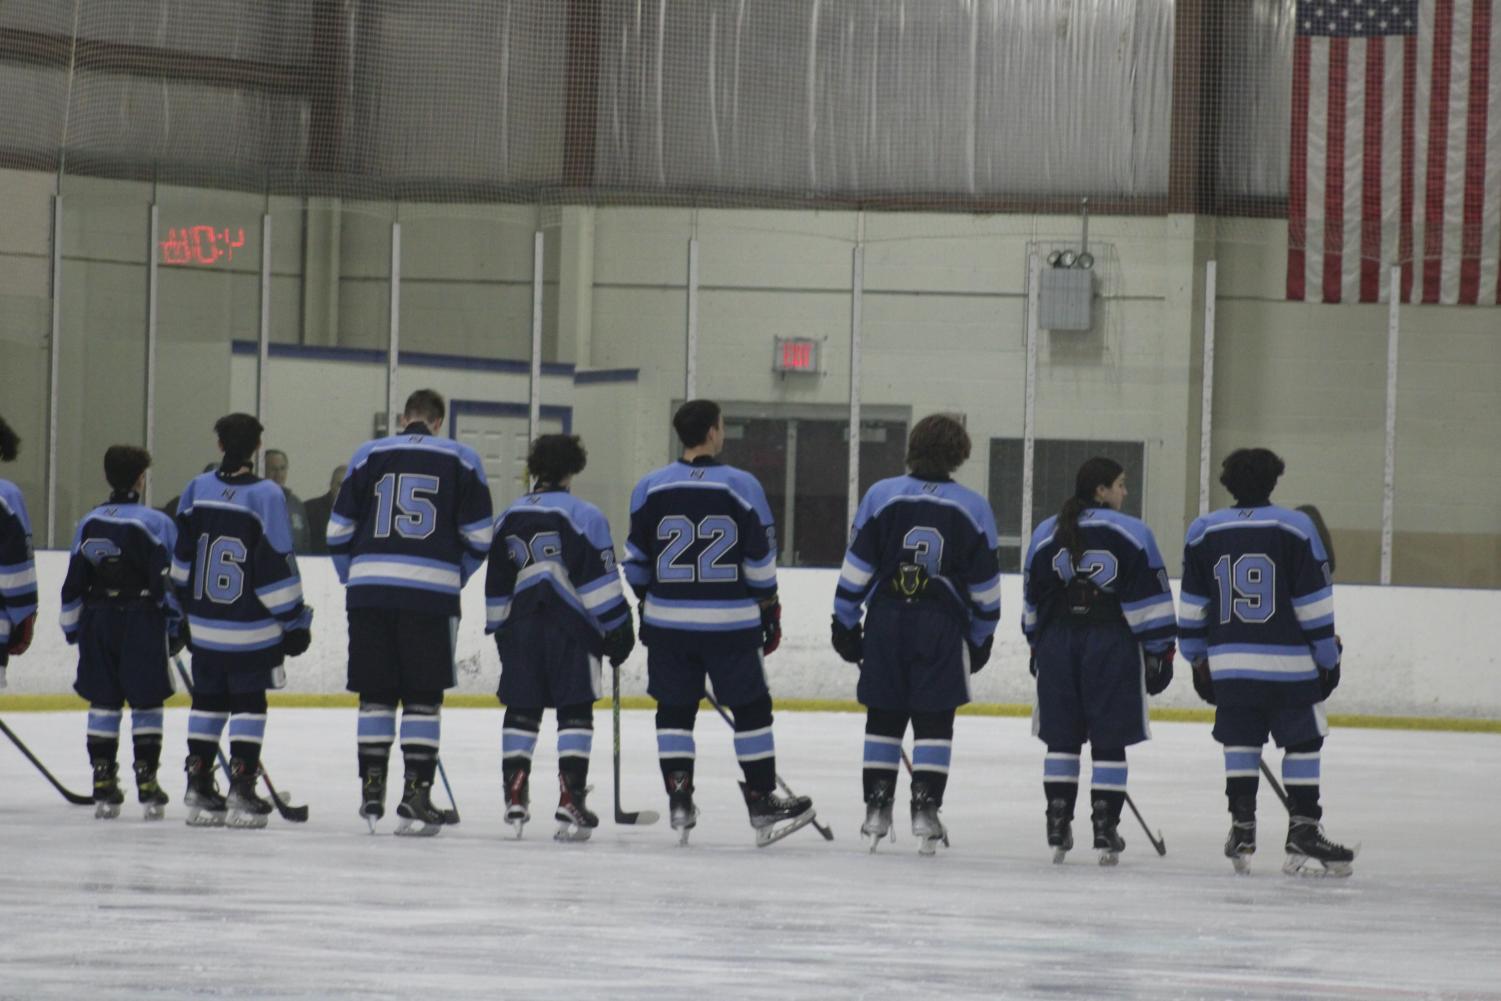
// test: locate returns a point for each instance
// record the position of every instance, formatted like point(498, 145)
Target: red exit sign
point(795, 354)
point(201, 246)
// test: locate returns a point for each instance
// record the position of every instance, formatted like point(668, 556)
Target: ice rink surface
point(126, 909)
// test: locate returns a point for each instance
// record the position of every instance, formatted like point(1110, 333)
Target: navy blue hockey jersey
point(411, 523)
point(552, 544)
point(945, 528)
point(702, 555)
point(1258, 601)
point(142, 540)
point(1120, 556)
point(17, 570)
point(235, 573)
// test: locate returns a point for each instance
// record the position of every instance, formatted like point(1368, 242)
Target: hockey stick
point(450, 816)
point(294, 814)
point(1277, 788)
point(624, 816)
point(827, 832)
point(1158, 842)
point(72, 797)
point(908, 762)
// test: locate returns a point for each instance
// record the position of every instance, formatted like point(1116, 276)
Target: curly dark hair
point(1251, 474)
point(10, 442)
point(937, 446)
point(555, 457)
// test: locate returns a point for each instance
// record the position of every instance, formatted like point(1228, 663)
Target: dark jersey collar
point(701, 460)
point(416, 427)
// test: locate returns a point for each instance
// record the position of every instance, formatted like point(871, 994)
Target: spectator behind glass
point(317, 511)
point(276, 471)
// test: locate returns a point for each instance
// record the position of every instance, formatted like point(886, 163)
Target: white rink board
point(125, 910)
point(1408, 651)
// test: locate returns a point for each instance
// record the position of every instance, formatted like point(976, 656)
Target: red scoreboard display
point(201, 246)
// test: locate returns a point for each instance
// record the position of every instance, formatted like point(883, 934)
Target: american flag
point(1396, 151)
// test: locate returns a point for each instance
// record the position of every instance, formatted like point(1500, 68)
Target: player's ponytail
point(240, 437)
point(1095, 473)
point(10, 442)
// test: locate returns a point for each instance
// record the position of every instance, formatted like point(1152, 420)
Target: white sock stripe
point(251, 716)
point(759, 756)
point(674, 733)
point(1300, 782)
point(1109, 786)
point(384, 740)
point(574, 729)
point(877, 738)
point(941, 769)
point(883, 766)
point(676, 755)
point(742, 734)
point(1244, 750)
point(1238, 773)
point(573, 754)
point(932, 743)
point(1070, 779)
point(513, 732)
point(1060, 756)
point(107, 713)
point(1302, 756)
point(205, 714)
point(423, 710)
point(245, 738)
point(419, 742)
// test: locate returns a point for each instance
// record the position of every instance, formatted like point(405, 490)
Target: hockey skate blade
point(246, 821)
point(1059, 854)
point(204, 818)
point(1241, 864)
point(1311, 868)
point(106, 811)
point(571, 833)
point(771, 835)
point(154, 811)
point(1109, 857)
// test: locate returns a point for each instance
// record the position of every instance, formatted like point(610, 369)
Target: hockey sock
point(1300, 774)
point(754, 747)
point(247, 728)
point(1108, 779)
point(206, 722)
point(932, 746)
point(103, 735)
point(884, 729)
point(575, 741)
point(420, 728)
point(518, 738)
point(1060, 775)
point(1242, 773)
point(375, 732)
point(675, 747)
point(146, 735)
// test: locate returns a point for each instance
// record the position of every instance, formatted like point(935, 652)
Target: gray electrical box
point(1067, 299)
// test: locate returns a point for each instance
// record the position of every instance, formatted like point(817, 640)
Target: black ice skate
point(518, 797)
point(1060, 829)
point(682, 813)
point(878, 813)
point(1240, 845)
point(206, 808)
point(149, 792)
point(1306, 842)
point(575, 820)
point(246, 809)
point(926, 827)
point(1107, 839)
point(417, 816)
point(373, 795)
point(774, 817)
point(107, 794)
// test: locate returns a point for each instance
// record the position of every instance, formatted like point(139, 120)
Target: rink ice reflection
point(125, 909)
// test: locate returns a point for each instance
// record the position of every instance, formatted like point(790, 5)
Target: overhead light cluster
point(1068, 259)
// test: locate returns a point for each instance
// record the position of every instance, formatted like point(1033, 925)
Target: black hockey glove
point(1203, 684)
point(849, 642)
point(178, 642)
point(619, 642)
point(979, 656)
point(1329, 680)
point(294, 642)
point(1159, 670)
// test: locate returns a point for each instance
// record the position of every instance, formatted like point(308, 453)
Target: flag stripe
point(1371, 215)
point(1398, 60)
point(1453, 226)
point(1475, 123)
point(1354, 168)
point(1409, 161)
point(1318, 158)
point(1490, 235)
point(1438, 134)
point(1334, 167)
point(1297, 194)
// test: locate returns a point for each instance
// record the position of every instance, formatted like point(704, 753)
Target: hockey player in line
point(923, 556)
point(237, 580)
point(411, 524)
point(701, 556)
point(554, 603)
point(17, 569)
point(118, 607)
point(1098, 615)
point(1257, 624)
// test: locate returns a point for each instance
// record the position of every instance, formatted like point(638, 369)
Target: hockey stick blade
point(1158, 842)
point(295, 814)
point(639, 818)
point(827, 832)
point(77, 799)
